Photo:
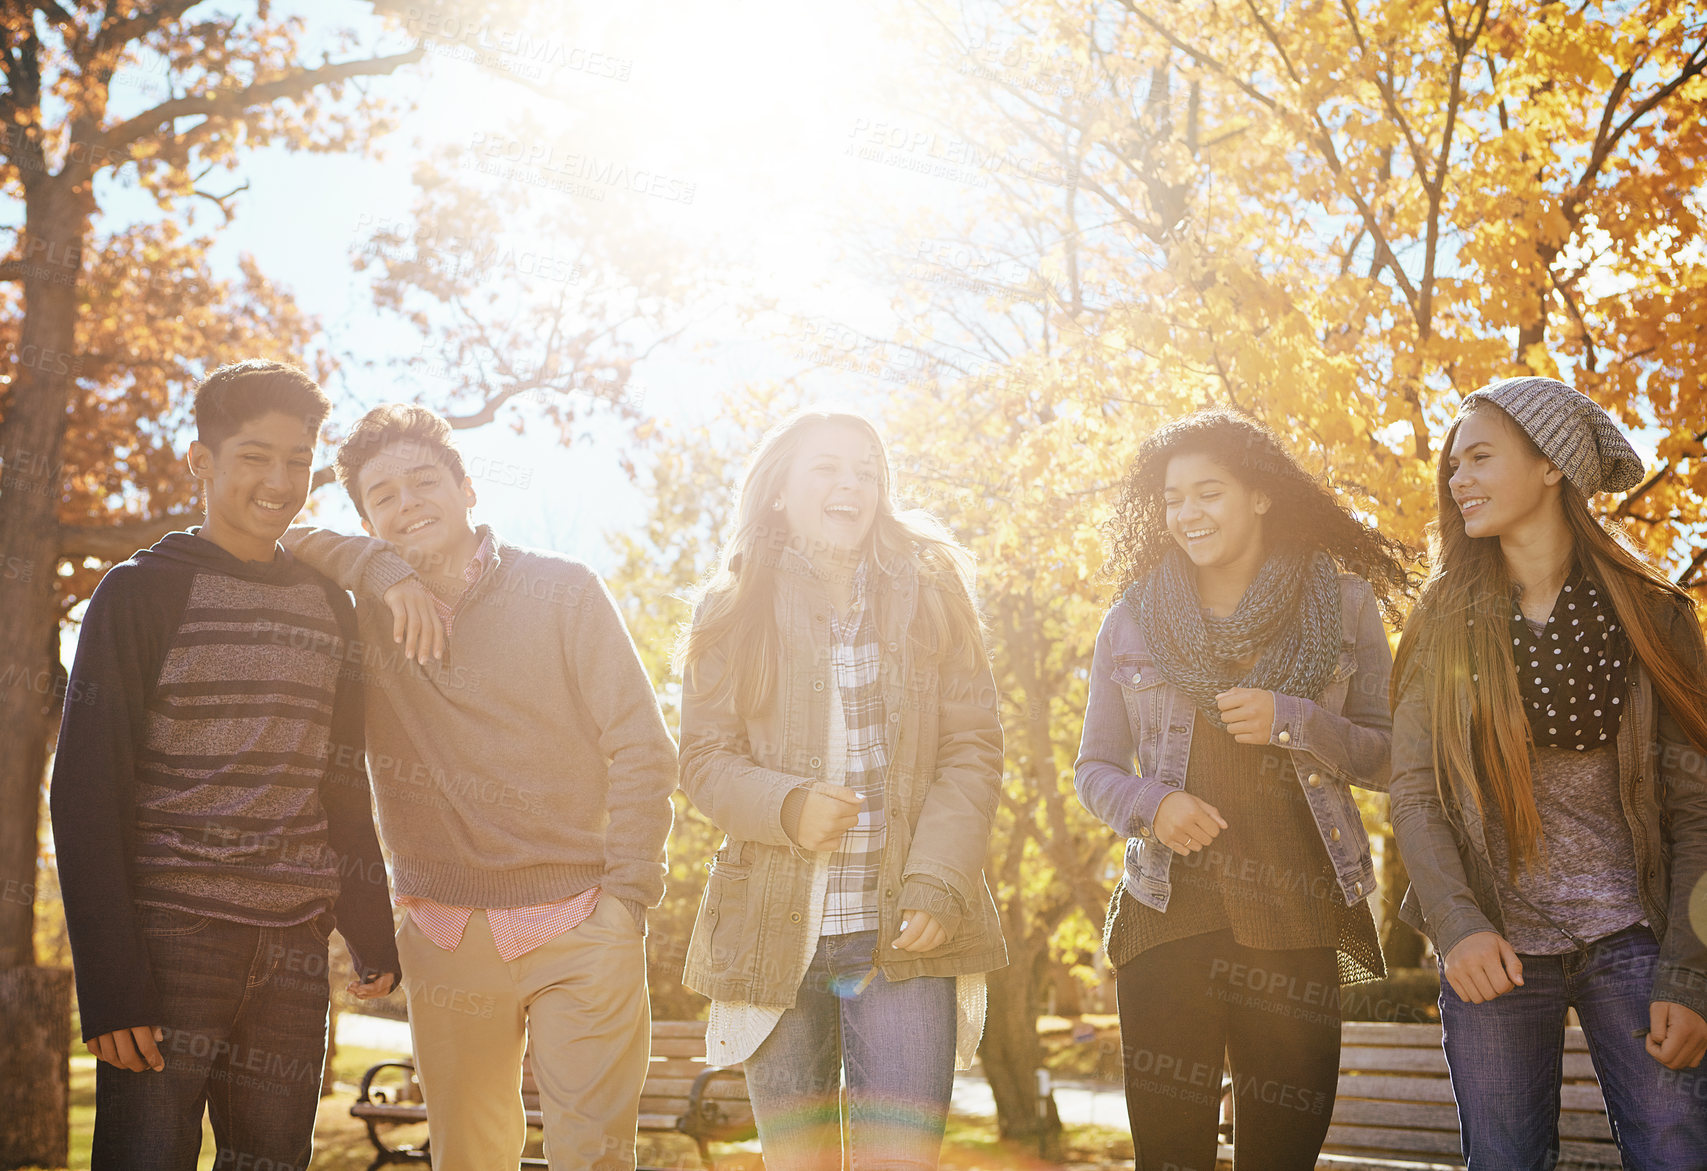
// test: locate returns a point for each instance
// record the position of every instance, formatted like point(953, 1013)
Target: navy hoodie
point(211, 761)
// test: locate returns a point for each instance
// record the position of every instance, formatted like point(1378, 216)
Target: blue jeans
point(1506, 1057)
point(244, 1013)
point(892, 1043)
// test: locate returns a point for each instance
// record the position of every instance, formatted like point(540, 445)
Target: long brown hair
point(733, 606)
point(1460, 633)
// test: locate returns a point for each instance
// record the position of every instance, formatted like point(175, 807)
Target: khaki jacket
point(945, 766)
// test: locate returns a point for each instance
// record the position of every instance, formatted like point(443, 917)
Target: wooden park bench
point(683, 1095)
point(1395, 1108)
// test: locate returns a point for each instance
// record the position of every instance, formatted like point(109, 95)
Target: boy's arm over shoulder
point(366, 566)
point(125, 630)
point(363, 908)
point(633, 739)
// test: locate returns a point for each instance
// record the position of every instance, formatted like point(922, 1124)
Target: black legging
point(1275, 1015)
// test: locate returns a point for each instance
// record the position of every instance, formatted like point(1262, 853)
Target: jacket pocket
point(1140, 681)
point(1339, 683)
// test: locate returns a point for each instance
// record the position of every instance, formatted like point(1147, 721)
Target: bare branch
point(117, 541)
point(236, 103)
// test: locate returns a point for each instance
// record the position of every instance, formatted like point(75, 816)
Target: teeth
point(269, 507)
point(418, 526)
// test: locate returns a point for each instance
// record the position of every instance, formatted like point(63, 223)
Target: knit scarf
point(1573, 674)
point(1289, 619)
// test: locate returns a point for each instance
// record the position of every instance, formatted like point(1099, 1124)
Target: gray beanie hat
point(1570, 429)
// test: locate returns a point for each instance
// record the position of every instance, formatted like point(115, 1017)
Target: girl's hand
point(920, 932)
point(1248, 714)
point(828, 812)
point(1482, 966)
point(1185, 824)
point(1677, 1036)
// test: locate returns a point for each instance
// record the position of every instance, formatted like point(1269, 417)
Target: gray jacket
point(1662, 786)
point(1336, 741)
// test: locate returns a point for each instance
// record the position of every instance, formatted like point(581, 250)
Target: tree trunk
point(1012, 1055)
point(31, 435)
point(35, 1067)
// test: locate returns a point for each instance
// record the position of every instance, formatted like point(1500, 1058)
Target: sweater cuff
point(384, 570)
point(924, 893)
point(793, 805)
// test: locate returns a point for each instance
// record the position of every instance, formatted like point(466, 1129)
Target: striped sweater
point(217, 767)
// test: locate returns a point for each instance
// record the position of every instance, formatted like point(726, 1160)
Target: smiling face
point(413, 501)
point(255, 482)
point(830, 496)
point(1498, 480)
point(1211, 513)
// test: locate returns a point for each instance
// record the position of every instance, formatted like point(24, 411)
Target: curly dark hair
point(1138, 532)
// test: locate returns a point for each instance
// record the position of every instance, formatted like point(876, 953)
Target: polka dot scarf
point(1572, 675)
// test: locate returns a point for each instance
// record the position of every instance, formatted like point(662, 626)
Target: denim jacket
point(1338, 740)
point(1662, 784)
point(944, 743)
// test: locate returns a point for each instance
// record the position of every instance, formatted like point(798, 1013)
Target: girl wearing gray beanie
point(1549, 789)
point(1238, 691)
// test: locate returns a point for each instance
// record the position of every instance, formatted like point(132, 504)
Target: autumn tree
point(1338, 216)
point(237, 82)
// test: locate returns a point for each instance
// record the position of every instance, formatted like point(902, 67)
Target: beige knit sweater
point(533, 762)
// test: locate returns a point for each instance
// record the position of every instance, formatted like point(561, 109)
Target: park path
point(1079, 1102)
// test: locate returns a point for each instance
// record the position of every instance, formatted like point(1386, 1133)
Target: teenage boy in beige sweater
point(522, 773)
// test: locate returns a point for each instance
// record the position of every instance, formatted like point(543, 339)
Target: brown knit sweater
point(1267, 876)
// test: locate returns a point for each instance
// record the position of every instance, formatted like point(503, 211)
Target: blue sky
point(685, 94)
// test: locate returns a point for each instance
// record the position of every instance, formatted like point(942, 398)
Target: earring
point(776, 505)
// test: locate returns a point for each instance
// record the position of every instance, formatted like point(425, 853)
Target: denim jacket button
point(817, 685)
point(1137, 676)
point(815, 762)
point(1143, 831)
point(1334, 833)
point(794, 916)
point(893, 647)
point(894, 717)
point(1359, 889)
point(1284, 737)
point(1315, 779)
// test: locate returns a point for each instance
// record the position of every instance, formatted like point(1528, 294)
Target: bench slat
point(674, 1067)
point(678, 1029)
point(1578, 1066)
point(1425, 1036)
point(1444, 1117)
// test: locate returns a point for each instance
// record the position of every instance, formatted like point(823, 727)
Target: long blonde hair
point(1464, 611)
point(734, 605)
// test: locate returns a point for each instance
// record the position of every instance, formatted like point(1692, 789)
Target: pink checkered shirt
point(516, 930)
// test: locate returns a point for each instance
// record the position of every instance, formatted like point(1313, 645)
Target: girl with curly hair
point(1549, 790)
point(1245, 666)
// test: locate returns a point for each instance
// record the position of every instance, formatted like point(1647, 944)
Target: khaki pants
point(580, 997)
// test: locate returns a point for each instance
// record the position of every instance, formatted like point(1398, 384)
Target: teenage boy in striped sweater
point(211, 818)
point(523, 775)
